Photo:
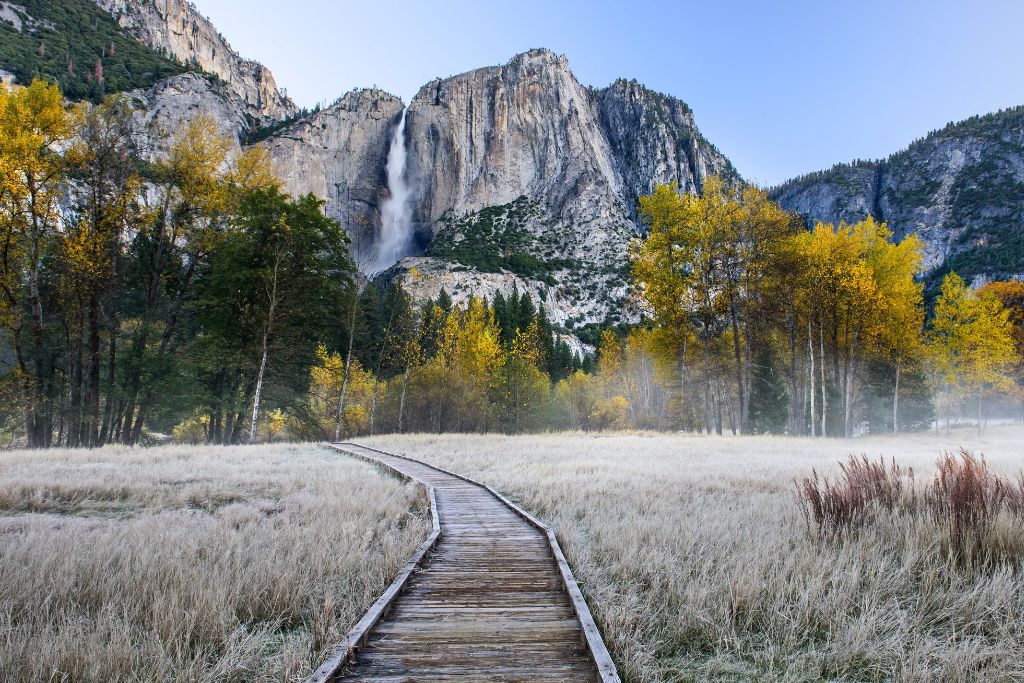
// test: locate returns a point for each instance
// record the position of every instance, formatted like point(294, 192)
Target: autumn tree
point(520, 388)
point(1011, 295)
point(971, 343)
point(34, 128)
point(705, 271)
point(860, 301)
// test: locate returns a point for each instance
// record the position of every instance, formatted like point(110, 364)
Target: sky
point(781, 87)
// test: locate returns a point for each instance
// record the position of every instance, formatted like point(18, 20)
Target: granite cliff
point(523, 177)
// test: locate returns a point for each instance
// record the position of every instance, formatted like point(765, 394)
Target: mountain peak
point(541, 56)
point(175, 27)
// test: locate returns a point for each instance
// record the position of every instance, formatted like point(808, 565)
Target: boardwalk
point(488, 602)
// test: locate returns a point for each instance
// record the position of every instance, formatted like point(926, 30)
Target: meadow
point(698, 564)
point(245, 563)
point(192, 564)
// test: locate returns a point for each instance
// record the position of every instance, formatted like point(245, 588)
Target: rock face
point(521, 170)
point(173, 101)
point(523, 178)
point(176, 28)
point(340, 155)
point(527, 128)
point(961, 189)
point(655, 139)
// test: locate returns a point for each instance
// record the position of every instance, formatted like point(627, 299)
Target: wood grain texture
point(491, 598)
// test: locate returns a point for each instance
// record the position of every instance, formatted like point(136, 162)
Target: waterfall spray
point(396, 235)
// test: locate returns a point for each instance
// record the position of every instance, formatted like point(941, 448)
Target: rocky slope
point(960, 188)
point(176, 28)
point(523, 177)
point(166, 106)
point(656, 140)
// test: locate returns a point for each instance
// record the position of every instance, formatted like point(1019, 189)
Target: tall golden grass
point(699, 565)
point(191, 564)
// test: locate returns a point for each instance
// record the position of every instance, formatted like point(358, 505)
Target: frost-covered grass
point(698, 565)
point(192, 564)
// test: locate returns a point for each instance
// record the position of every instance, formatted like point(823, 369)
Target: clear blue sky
point(782, 88)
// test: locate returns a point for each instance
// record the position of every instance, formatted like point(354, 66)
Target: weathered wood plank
point(488, 597)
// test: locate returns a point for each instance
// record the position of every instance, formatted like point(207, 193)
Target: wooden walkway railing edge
point(343, 652)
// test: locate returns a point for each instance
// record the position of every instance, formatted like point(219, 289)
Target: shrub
point(965, 498)
point(963, 502)
point(848, 502)
point(1015, 499)
point(610, 413)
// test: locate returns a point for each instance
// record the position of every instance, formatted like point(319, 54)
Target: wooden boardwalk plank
point(489, 597)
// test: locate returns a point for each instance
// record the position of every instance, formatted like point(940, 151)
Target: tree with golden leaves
point(35, 126)
point(971, 344)
point(520, 388)
point(104, 162)
point(705, 270)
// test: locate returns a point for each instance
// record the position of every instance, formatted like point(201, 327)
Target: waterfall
point(396, 234)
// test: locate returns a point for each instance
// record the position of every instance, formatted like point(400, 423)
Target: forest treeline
point(764, 325)
point(179, 291)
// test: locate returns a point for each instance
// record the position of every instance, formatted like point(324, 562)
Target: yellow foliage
point(325, 387)
point(191, 431)
point(527, 344)
point(610, 413)
point(578, 395)
point(470, 343)
point(275, 423)
point(971, 338)
point(252, 169)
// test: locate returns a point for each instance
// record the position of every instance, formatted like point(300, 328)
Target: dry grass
point(699, 566)
point(191, 564)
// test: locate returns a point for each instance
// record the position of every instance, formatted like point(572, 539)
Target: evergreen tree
point(444, 301)
point(769, 401)
point(525, 312)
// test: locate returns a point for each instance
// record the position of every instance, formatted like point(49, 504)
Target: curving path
point(488, 598)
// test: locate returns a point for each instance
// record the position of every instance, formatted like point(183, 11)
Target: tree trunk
point(795, 398)
point(896, 401)
point(71, 435)
point(824, 388)
point(741, 392)
point(848, 375)
point(683, 380)
point(373, 406)
point(37, 437)
point(90, 427)
point(271, 309)
point(259, 391)
point(981, 414)
point(401, 401)
point(106, 432)
point(708, 406)
point(812, 391)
